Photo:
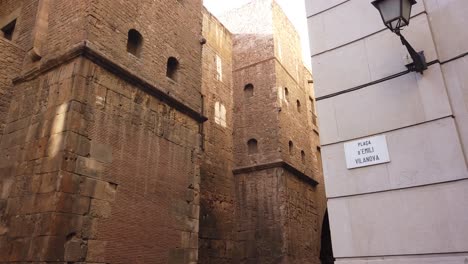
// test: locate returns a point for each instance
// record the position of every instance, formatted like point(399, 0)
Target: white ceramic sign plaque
point(366, 152)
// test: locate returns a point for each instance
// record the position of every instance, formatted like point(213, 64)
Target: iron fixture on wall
point(396, 14)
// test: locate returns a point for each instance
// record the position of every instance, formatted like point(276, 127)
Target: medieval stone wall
point(168, 28)
point(87, 156)
point(279, 208)
point(10, 59)
point(287, 43)
point(217, 200)
point(148, 152)
point(256, 115)
point(98, 164)
point(105, 159)
point(262, 216)
point(253, 32)
point(24, 12)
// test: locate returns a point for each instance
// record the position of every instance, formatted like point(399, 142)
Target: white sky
point(294, 9)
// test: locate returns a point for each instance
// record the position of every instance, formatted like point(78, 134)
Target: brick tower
point(100, 108)
point(279, 194)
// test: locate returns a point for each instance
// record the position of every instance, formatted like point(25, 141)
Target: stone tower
point(217, 196)
point(275, 184)
point(100, 111)
point(106, 155)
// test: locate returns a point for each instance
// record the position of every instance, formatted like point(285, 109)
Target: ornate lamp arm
point(419, 60)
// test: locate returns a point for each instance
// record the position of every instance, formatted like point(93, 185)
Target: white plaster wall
point(407, 100)
point(456, 78)
point(314, 7)
point(413, 210)
point(371, 59)
point(423, 220)
point(345, 23)
point(420, 155)
point(449, 20)
point(425, 259)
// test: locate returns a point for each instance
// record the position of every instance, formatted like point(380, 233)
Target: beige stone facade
point(106, 155)
point(411, 209)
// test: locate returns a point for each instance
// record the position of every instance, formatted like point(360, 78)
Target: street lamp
point(396, 14)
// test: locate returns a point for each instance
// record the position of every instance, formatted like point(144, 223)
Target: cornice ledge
point(84, 49)
point(277, 164)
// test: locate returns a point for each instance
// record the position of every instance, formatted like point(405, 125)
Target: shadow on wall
point(326, 250)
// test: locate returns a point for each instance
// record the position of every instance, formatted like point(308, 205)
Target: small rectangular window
point(9, 30)
point(220, 114)
point(219, 68)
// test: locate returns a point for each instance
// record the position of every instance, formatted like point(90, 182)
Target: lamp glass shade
point(395, 13)
point(406, 10)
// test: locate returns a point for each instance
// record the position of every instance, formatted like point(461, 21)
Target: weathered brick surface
point(151, 177)
point(10, 59)
point(256, 116)
point(278, 212)
point(253, 31)
point(173, 27)
point(100, 154)
point(148, 190)
point(94, 167)
point(217, 201)
point(262, 213)
point(25, 12)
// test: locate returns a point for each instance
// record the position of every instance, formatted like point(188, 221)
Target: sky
point(294, 9)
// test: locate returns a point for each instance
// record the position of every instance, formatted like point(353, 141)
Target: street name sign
point(366, 152)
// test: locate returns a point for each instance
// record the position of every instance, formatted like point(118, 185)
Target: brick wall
point(149, 152)
point(169, 28)
point(100, 160)
point(83, 166)
point(217, 212)
point(287, 43)
point(256, 116)
point(262, 212)
point(10, 59)
point(279, 208)
point(279, 219)
point(253, 32)
point(25, 12)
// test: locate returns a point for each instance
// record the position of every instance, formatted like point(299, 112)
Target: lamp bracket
point(419, 60)
point(422, 64)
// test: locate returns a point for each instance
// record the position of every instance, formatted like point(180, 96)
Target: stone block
point(48, 182)
point(68, 182)
point(77, 144)
point(39, 203)
point(4, 248)
point(90, 228)
point(19, 249)
point(6, 184)
point(58, 224)
point(48, 248)
point(72, 203)
point(98, 189)
point(100, 208)
point(21, 226)
point(75, 250)
point(89, 167)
